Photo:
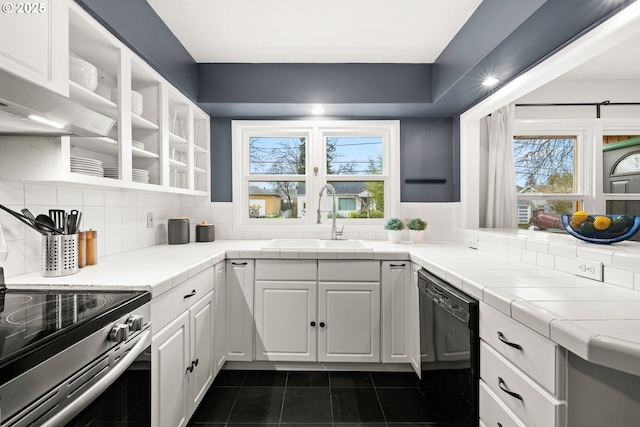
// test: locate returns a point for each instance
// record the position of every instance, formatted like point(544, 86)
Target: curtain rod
point(579, 104)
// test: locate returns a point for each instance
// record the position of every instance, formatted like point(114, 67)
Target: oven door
point(127, 402)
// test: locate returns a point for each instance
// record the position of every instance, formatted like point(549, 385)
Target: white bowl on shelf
point(83, 73)
point(137, 101)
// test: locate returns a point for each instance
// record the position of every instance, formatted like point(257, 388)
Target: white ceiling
point(315, 31)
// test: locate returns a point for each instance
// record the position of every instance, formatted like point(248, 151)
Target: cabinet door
point(219, 314)
point(395, 314)
point(285, 316)
point(169, 385)
point(240, 278)
point(35, 42)
point(348, 322)
point(413, 325)
point(202, 365)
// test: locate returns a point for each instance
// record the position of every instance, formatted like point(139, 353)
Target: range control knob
point(119, 332)
point(135, 322)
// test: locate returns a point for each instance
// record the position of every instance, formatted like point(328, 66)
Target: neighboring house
point(265, 202)
point(350, 196)
point(528, 208)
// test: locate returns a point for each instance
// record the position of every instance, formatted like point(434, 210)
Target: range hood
point(29, 109)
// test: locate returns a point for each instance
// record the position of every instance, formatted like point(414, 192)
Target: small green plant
point(394, 224)
point(416, 224)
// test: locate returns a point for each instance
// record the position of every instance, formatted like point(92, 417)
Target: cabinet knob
point(322, 324)
point(313, 324)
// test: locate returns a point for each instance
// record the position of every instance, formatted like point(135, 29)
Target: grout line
point(284, 396)
point(375, 389)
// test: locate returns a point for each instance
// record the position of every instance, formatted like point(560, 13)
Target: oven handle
point(82, 401)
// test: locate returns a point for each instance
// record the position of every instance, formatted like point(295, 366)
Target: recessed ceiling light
point(318, 109)
point(490, 81)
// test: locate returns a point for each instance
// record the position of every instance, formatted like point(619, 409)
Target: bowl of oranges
point(601, 228)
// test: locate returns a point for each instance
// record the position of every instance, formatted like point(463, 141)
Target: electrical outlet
point(149, 219)
point(473, 243)
point(588, 269)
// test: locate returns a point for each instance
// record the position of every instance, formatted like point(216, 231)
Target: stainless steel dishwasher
point(449, 351)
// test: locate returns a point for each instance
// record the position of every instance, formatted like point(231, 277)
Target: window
point(280, 167)
point(547, 168)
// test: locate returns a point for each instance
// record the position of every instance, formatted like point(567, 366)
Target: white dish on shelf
point(83, 73)
point(137, 101)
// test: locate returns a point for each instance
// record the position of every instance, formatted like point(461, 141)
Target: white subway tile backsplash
point(545, 260)
point(619, 277)
point(592, 254)
point(40, 195)
point(93, 197)
point(129, 199)
point(70, 196)
point(12, 193)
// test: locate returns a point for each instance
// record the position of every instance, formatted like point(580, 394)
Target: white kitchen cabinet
point(182, 350)
point(396, 313)
point(35, 42)
point(285, 313)
point(169, 385)
point(240, 329)
point(285, 310)
point(219, 315)
point(349, 322)
point(167, 141)
point(201, 371)
point(413, 324)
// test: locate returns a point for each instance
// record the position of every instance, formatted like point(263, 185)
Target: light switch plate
point(588, 269)
point(149, 219)
point(473, 243)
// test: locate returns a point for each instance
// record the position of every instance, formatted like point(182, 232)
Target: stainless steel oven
point(449, 351)
point(65, 353)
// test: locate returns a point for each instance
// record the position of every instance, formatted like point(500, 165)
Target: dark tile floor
point(290, 399)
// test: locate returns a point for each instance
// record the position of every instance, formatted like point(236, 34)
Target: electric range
point(59, 348)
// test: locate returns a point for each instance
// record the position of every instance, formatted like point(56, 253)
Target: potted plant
point(394, 227)
point(416, 228)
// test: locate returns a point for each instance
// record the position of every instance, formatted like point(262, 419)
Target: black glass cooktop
point(35, 324)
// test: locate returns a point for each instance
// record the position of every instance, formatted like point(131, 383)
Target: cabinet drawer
point(537, 356)
point(528, 401)
point(350, 271)
point(171, 304)
point(271, 269)
point(493, 412)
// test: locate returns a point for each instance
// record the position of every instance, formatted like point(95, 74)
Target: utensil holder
point(59, 255)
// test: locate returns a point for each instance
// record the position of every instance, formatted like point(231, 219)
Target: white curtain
point(501, 180)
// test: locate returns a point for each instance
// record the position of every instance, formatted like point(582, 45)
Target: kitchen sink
point(316, 244)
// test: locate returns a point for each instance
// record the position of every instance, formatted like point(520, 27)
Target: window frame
point(316, 132)
point(583, 158)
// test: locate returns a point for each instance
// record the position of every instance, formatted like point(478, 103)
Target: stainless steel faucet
point(334, 230)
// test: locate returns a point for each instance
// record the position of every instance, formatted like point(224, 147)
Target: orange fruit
point(601, 222)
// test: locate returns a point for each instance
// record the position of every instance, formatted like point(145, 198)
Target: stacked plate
point(83, 73)
point(87, 166)
point(140, 175)
point(111, 172)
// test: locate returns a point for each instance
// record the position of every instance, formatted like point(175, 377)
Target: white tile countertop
point(599, 322)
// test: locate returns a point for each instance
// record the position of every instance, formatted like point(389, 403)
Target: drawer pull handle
point(397, 265)
point(510, 344)
point(499, 424)
point(313, 324)
point(504, 388)
point(192, 294)
point(322, 324)
point(238, 263)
